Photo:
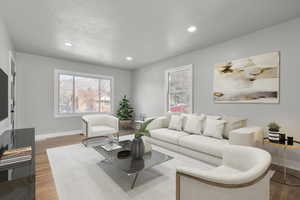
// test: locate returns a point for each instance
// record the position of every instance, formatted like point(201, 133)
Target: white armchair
point(100, 125)
point(244, 174)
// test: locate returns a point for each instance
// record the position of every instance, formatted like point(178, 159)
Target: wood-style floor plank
point(45, 186)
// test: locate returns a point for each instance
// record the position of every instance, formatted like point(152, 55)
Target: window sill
point(56, 115)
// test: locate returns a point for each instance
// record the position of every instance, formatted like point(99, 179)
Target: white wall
point(5, 46)
point(35, 88)
point(148, 83)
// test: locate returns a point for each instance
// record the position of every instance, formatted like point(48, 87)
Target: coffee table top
point(127, 165)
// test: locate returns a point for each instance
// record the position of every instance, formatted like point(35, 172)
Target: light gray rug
point(79, 175)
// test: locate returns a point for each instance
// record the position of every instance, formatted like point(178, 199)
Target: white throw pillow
point(194, 124)
point(168, 116)
point(216, 117)
point(176, 122)
point(214, 128)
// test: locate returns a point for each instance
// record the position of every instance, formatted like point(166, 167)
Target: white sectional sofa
point(200, 146)
point(244, 174)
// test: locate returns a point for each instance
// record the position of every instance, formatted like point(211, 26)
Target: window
point(77, 93)
point(179, 89)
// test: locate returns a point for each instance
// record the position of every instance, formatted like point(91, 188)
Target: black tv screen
point(3, 95)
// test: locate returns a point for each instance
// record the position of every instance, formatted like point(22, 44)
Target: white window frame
point(57, 72)
point(176, 69)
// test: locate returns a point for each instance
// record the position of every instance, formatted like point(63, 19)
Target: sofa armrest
point(157, 123)
point(112, 121)
point(85, 126)
point(247, 136)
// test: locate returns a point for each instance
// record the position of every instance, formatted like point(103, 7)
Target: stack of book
point(14, 156)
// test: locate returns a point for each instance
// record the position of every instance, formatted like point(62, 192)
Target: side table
point(285, 178)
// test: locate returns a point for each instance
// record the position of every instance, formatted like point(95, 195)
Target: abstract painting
point(249, 80)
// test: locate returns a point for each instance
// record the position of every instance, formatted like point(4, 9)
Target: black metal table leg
point(134, 181)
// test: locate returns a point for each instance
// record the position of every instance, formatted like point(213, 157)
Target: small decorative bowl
point(124, 154)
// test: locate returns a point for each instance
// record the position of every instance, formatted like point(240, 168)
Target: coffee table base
point(134, 180)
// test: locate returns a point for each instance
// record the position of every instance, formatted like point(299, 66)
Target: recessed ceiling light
point(129, 58)
point(68, 44)
point(192, 29)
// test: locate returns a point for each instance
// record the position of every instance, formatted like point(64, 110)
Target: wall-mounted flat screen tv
point(3, 95)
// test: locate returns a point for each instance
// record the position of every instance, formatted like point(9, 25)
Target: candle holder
point(290, 140)
point(282, 138)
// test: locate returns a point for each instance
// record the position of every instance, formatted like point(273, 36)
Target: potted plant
point(274, 131)
point(125, 113)
point(138, 145)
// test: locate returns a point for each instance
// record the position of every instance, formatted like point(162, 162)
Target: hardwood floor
point(45, 186)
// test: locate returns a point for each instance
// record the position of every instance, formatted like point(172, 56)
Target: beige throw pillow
point(194, 124)
point(176, 122)
point(214, 128)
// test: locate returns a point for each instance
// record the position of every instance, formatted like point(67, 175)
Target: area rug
point(79, 175)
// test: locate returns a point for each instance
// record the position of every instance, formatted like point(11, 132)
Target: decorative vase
point(274, 136)
point(290, 140)
point(282, 138)
point(137, 164)
point(137, 148)
point(147, 146)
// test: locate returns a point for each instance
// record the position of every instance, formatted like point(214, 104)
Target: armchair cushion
point(100, 125)
point(102, 130)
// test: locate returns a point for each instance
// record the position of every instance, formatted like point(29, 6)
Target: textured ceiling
point(104, 32)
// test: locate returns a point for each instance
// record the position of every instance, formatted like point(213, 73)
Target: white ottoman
point(249, 136)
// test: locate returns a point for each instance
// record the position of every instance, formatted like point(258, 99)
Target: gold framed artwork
point(248, 80)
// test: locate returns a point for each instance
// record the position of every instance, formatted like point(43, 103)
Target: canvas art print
point(249, 80)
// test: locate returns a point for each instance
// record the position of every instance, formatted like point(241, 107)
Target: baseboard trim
point(57, 134)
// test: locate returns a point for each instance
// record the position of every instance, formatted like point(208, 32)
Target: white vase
point(147, 145)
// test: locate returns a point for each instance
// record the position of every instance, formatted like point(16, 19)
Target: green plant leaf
point(143, 129)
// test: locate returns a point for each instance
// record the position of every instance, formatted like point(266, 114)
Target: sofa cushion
point(176, 122)
point(216, 117)
point(167, 135)
point(168, 116)
point(214, 128)
point(102, 130)
point(193, 123)
point(204, 144)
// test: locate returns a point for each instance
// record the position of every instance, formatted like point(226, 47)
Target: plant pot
point(137, 148)
point(274, 136)
point(125, 124)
